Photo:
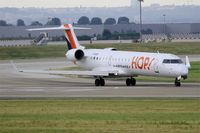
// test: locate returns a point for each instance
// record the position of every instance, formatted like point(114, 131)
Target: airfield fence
point(187, 37)
point(146, 38)
point(154, 37)
point(13, 43)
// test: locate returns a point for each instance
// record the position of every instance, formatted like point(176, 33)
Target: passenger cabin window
point(172, 61)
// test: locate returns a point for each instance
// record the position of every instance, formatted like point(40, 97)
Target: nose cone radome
point(184, 72)
point(181, 71)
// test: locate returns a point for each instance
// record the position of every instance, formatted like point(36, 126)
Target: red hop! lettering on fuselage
point(141, 62)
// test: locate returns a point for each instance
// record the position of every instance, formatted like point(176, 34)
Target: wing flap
point(78, 73)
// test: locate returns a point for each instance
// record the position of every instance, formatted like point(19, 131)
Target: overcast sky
point(89, 3)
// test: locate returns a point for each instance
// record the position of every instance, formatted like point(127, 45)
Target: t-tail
point(70, 37)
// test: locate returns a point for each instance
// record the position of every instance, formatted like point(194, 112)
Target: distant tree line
point(84, 20)
point(107, 35)
point(20, 22)
point(4, 23)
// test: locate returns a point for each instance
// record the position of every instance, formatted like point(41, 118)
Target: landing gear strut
point(177, 82)
point(100, 82)
point(130, 82)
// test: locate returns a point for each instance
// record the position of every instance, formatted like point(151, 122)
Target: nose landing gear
point(177, 82)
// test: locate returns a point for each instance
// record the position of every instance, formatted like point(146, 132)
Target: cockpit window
point(176, 61)
point(172, 61)
point(166, 61)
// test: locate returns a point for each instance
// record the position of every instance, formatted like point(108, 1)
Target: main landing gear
point(177, 82)
point(100, 82)
point(130, 82)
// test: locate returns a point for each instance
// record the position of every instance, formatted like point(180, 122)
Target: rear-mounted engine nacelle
point(75, 54)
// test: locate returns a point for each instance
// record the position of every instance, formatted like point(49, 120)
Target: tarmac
point(14, 84)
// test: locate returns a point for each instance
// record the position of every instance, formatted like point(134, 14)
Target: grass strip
point(27, 52)
point(101, 115)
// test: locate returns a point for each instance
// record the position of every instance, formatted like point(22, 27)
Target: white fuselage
point(133, 63)
point(108, 62)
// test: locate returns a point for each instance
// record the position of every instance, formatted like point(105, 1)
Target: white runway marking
point(82, 90)
point(52, 89)
point(33, 90)
point(22, 90)
point(116, 88)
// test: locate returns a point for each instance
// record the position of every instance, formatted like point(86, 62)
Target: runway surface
point(27, 85)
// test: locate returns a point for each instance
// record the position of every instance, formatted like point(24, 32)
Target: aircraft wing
point(78, 73)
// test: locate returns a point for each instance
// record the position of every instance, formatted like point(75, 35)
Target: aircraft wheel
point(97, 82)
point(133, 81)
point(177, 83)
point(128, 81)
point(102, 82)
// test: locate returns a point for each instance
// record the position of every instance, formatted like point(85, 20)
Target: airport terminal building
point(172, 28)
point(177, 32)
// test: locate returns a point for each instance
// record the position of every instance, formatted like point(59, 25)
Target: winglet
point(187, 62)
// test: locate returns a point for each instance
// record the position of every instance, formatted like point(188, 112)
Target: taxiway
point(27, 85)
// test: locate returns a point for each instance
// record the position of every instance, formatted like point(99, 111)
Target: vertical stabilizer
point(71, 39)
point(70, 36)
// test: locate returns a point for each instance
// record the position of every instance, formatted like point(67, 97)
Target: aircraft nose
point(184, 72)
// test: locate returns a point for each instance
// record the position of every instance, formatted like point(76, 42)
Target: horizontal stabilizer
point(62, 27)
